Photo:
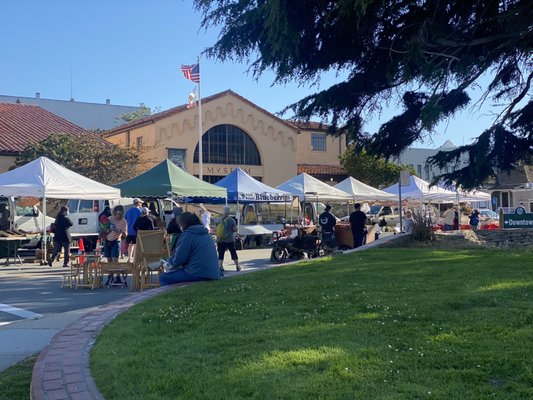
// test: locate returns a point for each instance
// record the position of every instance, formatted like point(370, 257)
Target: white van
point(84, 213)
point(21, 215)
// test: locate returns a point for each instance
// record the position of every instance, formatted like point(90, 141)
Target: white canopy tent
point(310, 189)
point(361, 191)
point(421, 190)
point(44, 178)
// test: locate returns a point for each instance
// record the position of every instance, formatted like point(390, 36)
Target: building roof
point(87, 115)
point(151, 119)
point(308, 125)
point(321, 170)
point(23, 123)
point(521, 175)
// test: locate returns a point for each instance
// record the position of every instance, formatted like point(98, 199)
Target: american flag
point(191, 72)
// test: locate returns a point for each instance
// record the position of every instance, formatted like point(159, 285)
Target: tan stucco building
point(236, 133)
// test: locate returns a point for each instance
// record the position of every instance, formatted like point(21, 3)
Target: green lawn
point(380, 324)
point(15, 381)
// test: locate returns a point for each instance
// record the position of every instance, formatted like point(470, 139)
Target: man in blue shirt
point(131, 216)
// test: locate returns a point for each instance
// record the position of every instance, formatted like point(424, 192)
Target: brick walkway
point(62, 369)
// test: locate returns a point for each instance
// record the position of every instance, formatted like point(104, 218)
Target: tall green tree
point(373, 170)
point(141, 112)
point(87, 155)
point(424, 54)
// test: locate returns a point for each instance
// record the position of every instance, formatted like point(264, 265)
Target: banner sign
point(266, 197)
point(519, 219)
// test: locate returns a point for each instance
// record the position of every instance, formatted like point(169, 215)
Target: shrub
point(422, 227)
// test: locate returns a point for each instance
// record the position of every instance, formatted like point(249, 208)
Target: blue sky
point(130, 51)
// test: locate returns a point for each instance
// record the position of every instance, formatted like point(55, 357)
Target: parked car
point(486, 214)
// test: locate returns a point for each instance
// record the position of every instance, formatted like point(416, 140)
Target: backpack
point(220, 231)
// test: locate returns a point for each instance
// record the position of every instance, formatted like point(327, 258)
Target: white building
point(417, 158)
point(87, 115)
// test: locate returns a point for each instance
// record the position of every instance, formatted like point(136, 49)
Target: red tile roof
point(24, 123)
point(176, 110)
point(319, 169)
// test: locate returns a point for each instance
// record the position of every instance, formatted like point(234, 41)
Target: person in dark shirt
point(357, 223)
point(144, 222)
point(62, 236)
point(327, 223)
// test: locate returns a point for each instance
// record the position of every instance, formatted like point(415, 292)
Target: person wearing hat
point(144, 222)
point(327, 223)
point(131, 217)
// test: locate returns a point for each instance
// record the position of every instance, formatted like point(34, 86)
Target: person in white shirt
point(206, 217)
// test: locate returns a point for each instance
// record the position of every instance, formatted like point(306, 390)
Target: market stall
point(244, 189)
point(44, 178)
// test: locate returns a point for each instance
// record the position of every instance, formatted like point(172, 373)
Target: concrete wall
point(505, 238)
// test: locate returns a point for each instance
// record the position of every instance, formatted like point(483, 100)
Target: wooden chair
point(90, 268)
point(151, 247)
point(116, 268)
point(72, 278)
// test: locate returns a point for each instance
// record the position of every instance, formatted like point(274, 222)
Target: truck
point(22, 214)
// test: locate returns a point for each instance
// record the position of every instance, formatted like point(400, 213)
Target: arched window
point(227, 144)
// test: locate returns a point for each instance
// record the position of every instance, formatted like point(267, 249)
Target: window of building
point(318, 142)
point(419, 170)
point(128, 139)
point(139, 142)
point(227, 144)
point(426, 172)
point(505, 199)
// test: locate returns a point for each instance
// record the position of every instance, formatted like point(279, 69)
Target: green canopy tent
point(167, 179)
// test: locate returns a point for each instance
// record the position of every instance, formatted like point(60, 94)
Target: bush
point(422, 227)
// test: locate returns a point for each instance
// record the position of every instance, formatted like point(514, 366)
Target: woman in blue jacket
point(195, 258)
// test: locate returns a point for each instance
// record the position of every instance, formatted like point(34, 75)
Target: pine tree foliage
point(427, 53)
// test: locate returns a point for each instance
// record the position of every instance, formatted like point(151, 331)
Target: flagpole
point(200, 149)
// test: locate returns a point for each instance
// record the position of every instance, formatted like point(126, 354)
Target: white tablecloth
point(245, 230)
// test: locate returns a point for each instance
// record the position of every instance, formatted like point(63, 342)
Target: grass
point(15, 381)
point(381, 324)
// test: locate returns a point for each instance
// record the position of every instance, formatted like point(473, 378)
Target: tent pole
point(44, 230)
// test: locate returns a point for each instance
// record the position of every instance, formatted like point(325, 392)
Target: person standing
point(226, 239)
point(205, 216)
point(131, 216)
point(408, 222)
point(195, 257)
point(117, 228)
point(62, 236)
point(144, 222)
point(173, 228)
point(358, 225)
point(250, 218)
point(327, 223)
point(4, 217)
point(474, 219)
point(449, 218)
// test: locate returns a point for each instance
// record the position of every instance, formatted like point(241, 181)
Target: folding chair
point(151, 247)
